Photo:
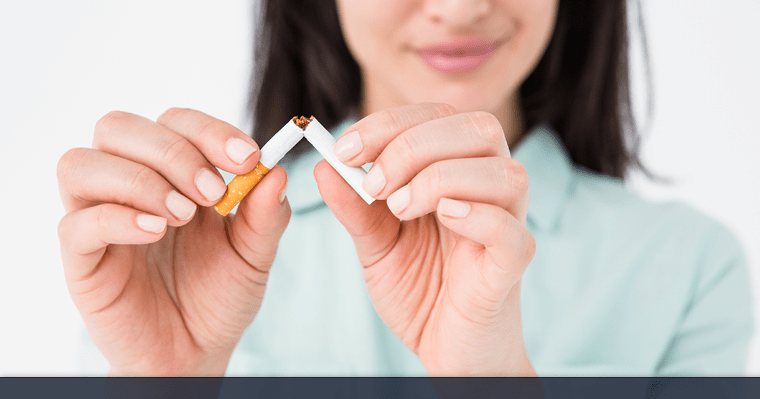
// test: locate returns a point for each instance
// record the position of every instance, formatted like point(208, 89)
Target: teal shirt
point(618, 286)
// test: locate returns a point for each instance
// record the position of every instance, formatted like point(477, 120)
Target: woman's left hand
point(446, 279)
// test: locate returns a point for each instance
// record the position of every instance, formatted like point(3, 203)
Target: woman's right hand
point(166, 287)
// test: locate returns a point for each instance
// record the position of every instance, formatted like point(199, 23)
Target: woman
point(465, 107)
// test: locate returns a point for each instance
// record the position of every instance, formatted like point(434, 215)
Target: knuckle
point(168, 115)
point(103, 216)
point(107, 124)
point(409, 150)
point(107, 214)
point(65, 228)
point(500, 170)
point(487, 126)
point(438, 178)
point(443, 109)
point(108, 121)
point(502, 228)
point(171, 148)
point(137, 179)
point(518, 176)
point(529, 247)
point(512, 175)
point(68, 162)
point(389, 120)
point(213, 127)
point(69, 173)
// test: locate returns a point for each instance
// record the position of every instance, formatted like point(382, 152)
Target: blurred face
point(472, 54)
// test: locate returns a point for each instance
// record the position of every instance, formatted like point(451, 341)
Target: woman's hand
point(166, 287)
point(446, 280)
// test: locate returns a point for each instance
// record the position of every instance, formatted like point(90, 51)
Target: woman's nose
point(458, 14)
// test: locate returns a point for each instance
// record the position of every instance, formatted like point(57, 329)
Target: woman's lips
point(458, 56)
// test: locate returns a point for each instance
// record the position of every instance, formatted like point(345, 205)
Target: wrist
point(211, 366)
point(508, 366)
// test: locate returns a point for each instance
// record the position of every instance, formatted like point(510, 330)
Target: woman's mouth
point(458, 56)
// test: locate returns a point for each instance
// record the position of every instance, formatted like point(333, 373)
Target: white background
point(65, 64)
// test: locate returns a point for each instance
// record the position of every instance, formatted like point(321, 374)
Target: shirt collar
point(549, 168)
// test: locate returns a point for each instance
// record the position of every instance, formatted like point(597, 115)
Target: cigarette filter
point(272, 152)
point(323, 141)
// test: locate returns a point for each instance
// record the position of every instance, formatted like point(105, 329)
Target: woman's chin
point(465, 98)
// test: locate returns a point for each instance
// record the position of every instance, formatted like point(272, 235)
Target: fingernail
point(210, 185)
point(374, 182)
point(180, 206)
point(238, 150)
point(453, 208)
point(283, 193)
point(399, 200)
point(348, 146)
point(150, 223)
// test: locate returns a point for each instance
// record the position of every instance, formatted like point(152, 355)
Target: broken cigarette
point(323, 141)
point(272, 152)
point(276, 148)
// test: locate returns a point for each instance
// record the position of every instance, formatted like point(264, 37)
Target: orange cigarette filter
point(239, 187)
point(272, 152)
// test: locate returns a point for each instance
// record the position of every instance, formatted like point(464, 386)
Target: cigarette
point(276, 148)
point(272, 152)
point(323, 141)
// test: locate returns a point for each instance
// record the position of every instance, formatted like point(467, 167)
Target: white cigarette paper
point(276, 148)
point(279, 145)
point(271, 153)
point(323, 141)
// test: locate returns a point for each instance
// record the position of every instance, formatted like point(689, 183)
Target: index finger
point(366, 139)
point(224, 145)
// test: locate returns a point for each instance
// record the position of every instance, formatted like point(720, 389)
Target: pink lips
point(458, 56)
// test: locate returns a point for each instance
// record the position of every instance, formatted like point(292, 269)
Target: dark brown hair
point(580, 87)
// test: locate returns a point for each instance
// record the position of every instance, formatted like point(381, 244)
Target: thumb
point(261, 218)
point(373, 228)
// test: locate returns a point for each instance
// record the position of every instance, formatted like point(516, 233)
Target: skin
point(175, 302)
point(448, 285)
point(383, 36)
point(446, 280)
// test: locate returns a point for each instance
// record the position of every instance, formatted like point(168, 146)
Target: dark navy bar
point(369, 388)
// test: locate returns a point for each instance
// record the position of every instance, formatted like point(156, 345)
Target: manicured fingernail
point(399, 200)
point(150, 223)
point(374, 182)
point(283, 193)
point(180, 206)
point(348, 146)
point(238, 150)
point(210, 185)
point(453, 208)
